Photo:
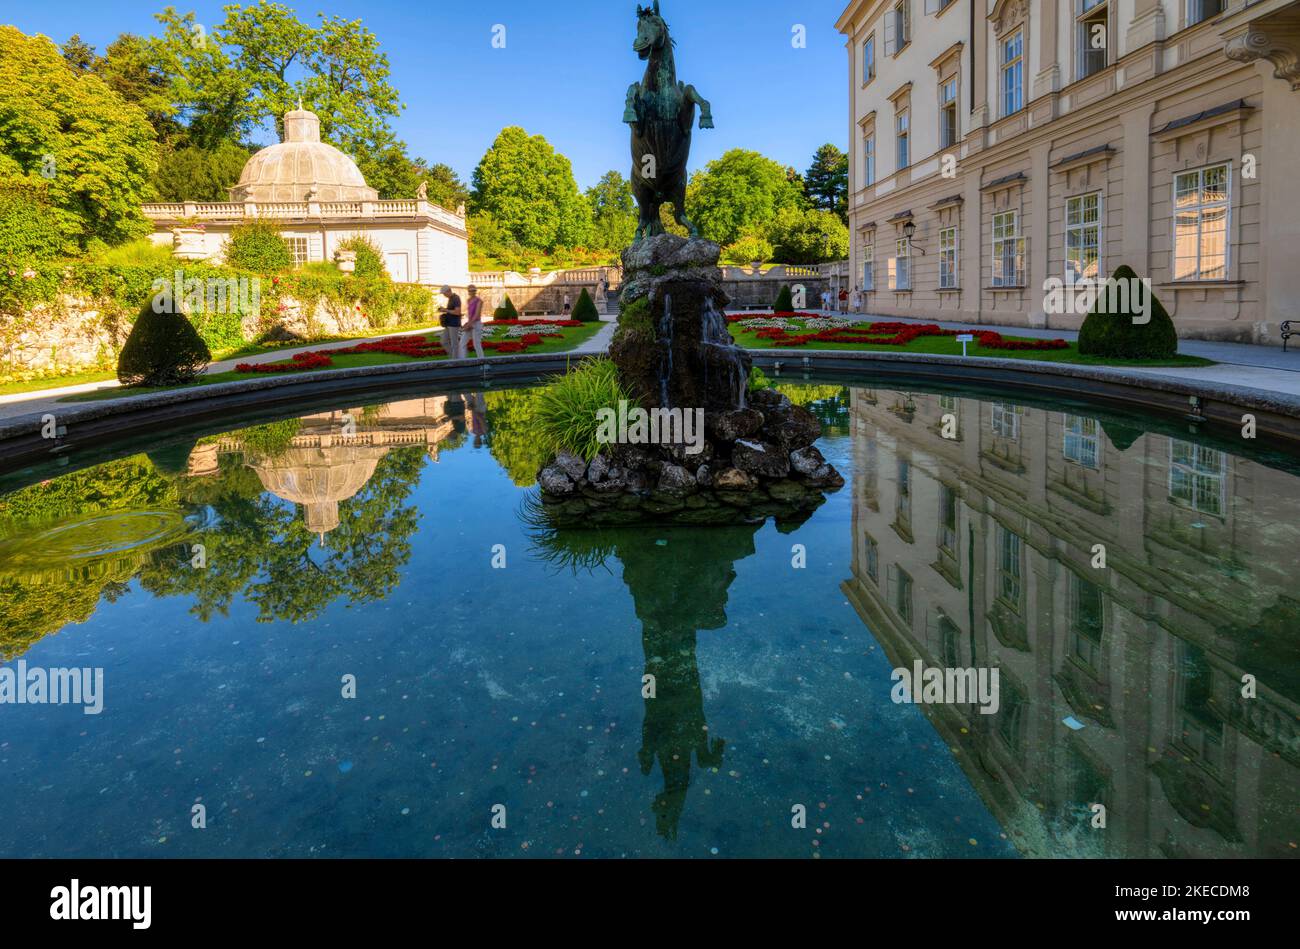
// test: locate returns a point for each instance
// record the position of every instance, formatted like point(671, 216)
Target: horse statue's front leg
point(629, 107)
point(706, 110)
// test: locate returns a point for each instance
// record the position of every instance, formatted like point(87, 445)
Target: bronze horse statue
point(661, 111)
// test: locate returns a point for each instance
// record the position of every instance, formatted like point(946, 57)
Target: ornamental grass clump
point(567, 414)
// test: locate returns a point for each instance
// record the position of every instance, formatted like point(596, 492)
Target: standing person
point(844, 299)
point(450, 320)
point(473, 324)
point(567, 306)
point(855, 301)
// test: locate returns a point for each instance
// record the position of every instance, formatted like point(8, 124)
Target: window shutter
point(891, 32)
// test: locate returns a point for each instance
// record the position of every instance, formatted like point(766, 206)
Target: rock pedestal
point(755, 457)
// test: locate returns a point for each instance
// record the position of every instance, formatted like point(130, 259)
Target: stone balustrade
point(178, 211)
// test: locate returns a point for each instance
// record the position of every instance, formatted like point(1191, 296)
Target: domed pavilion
point(319, 197)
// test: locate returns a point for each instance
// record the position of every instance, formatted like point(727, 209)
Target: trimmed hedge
point(506, 311)
point(163, 349)
point(585, 310)
point(784, 301)
point(1116, 336)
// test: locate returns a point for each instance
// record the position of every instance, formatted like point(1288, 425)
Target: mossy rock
point(1116, 336)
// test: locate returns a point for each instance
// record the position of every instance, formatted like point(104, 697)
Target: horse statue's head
point(651, 31)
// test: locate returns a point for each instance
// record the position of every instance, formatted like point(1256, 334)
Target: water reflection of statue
point(678, 588)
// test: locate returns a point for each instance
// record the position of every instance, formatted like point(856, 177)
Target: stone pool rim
point(1277, 414)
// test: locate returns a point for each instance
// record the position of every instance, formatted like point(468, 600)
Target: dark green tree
point(585, 310)
point(827, 181)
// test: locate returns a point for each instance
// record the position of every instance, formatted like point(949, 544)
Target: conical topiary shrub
point(784, 301)
point(506, 311)
point(585, 310)
point(1116, 336)
point(163, 349)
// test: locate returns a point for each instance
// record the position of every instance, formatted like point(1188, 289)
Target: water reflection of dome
point(301, 166)
point(319, 478)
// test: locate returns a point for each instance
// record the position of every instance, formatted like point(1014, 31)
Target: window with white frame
point(1080, 444)
point(948, 258)
point(902, 126)
point(869, 59)
point(1009, 566)
point(937, 6)
point(1198, 10)
point(1201, 223)
point(1197, 477)
point(903, 594)
point(948, 133)
point(300, 249)
point(898, 27)
point(1005, 420)
point(1008, 250)
point(1013, 73)
point(869, 158)
point(900, 266)
point(1092, 37)
point(873, 558)
point(869, 266)
point(1082, 238)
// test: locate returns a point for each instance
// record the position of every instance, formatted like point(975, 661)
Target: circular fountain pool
point(349, 634)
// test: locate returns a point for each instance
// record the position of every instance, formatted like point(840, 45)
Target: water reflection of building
point(333, 455)
point(978, 551)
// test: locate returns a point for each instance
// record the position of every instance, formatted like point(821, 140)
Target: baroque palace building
point(1019, 142)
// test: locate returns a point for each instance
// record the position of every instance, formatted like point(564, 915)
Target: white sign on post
point(965, 338)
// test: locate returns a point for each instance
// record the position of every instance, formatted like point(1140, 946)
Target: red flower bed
point(412, 347)
point(890, 334)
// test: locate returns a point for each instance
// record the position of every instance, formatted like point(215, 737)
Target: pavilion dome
point(319, 478)
point(301, 167)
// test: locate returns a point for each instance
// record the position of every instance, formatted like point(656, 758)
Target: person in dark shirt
point(450, 320)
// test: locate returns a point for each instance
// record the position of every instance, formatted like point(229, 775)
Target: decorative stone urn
point(347, 260)
point(187, 243)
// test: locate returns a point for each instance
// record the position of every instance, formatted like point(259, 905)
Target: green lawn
point(56, 382)
point(573, 337)
point(948, 346)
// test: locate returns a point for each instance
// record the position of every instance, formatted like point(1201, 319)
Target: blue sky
point(564, 71)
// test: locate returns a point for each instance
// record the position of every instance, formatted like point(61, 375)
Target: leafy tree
point(191, 173)
point(131, 68)
point(529, 190)
point(752, 246)
point(95, 151)
point(827, 181)
point(28, 231)
point(1116, 336)
point(808, 236)
point(738, 191)
point(163, 349)
point(208, 96)
point(613, 212)
point(256, 245)
point(78, 54)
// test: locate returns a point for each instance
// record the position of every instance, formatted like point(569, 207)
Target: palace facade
point(998, 145)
